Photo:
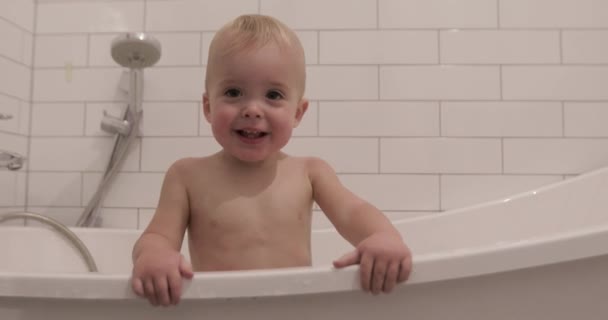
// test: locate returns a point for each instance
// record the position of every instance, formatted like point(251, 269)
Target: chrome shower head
point(136, 50)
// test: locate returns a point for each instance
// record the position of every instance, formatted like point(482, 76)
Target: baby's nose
point(252, 111)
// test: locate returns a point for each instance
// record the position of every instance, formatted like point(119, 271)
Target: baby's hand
point(157, 276)
point(385, 261)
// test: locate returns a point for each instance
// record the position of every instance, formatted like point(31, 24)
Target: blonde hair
point(251, 32)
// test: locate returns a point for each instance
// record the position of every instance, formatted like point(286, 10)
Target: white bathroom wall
point(16, 45)
point(420, 105)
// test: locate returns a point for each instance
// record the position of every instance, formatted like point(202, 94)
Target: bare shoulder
point(188, 166)
point(317, 167)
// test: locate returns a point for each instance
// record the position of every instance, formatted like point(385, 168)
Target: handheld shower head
point(136, 50)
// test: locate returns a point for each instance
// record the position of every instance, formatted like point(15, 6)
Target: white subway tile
point(396, 192)
point(586, 119)
point(118, 218)
point(379, 119)
point(554, 156)
point(177, 84)
point(342, 83)
point(437, 14)
point(309, 125)
point(61, 51)
point(54, 189)
point(77, 85)
point(14, 143)
point(66, 215)
point(78, 154)
point(91, 16)
point(440, 82)
point(10, 107)
point(195, 15)
point(170, 119)
point(346, 155)
point(8, 185)
point(128, 190)
point(58, 119)
point(589, 46)
point(440, 155)
point(204, 128)
point(11, 45)
point(20, 12)
point(179, 49)
point(206, 39)
point(501, 119)
point(379, 47)
point(100, 50)
point(24, 117)
point(459, 191)
point(28, 49)
point(499, 46)
point(20, 199)
point(554, 83)
point(145, 216)
point(15, 79)
point(310, 43)
point(94, 115)
point(553, 14)
point(159, 153)
point(320, 14)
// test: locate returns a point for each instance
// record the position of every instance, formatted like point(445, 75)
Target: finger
point(175, 287)
point(378, 274)
point(367, 264)
point(348, 259)
point(405, 270)
point(138, 287)
point(149, 292)
point(162, 291)
point(185, 268)
point(391, 277)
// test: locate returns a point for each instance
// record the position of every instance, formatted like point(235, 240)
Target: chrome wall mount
point(11, 160)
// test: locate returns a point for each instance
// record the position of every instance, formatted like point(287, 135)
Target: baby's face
point(254, 101)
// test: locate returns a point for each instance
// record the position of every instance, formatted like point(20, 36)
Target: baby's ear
point(300, 111)
point(206, 107)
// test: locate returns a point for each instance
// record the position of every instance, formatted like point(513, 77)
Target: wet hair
point(251, 32)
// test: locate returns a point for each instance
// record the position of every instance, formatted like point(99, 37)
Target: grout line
point(498, 14)
point(145, 19)
point(378, 14)
point(440, 118)
point(440, 182)
point(502, 155)
point(564, 119)
point(379, 155)
point(561, 47)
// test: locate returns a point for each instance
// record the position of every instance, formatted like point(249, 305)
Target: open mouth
point(251, 134)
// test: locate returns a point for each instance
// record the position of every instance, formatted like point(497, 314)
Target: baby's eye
point(232, 93)
point(274, 95)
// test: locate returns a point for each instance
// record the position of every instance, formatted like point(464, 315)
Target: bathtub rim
point(434, 267)
point(475, 261)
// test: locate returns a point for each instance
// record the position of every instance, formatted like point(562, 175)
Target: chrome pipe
point(59, 227)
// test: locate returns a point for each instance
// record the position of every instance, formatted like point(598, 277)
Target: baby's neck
point(240, 165)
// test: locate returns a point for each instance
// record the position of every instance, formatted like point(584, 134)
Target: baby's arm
point(383, 257)
point(158, 266)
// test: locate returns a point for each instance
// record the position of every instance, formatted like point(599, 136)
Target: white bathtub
point(538, 255)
